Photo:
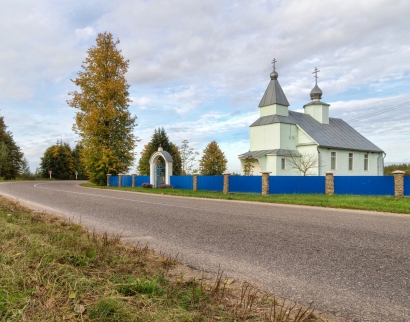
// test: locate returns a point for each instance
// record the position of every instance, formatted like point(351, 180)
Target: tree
point(303, 162)
point(103, 120)
point(159, 138)
point(388, 169)
point(24, 171)
point(213, 161)
point(248, 166)
point(188, 158)
point(78, 162)
point(10, 154)
point(59, 160)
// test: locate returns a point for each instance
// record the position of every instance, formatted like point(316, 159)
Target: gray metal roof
point(167, 156)
point(274, 95)
point(261, 153)
point(337, 134)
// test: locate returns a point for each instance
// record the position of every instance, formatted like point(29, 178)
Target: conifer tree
point(159, 138)
point(10, 154)
point(213, 161)
point(103, 120)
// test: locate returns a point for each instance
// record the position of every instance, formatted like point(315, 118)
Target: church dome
point(316, 93)
point(274, 75)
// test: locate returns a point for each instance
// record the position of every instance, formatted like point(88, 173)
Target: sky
point(200, 68)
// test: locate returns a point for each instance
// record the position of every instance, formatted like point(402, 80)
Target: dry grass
point(53, 270)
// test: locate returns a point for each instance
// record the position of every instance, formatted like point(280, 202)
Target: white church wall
point(288, 136)
point(265, 137)
point(342, 163)
point(274, 109)
point(303, 138)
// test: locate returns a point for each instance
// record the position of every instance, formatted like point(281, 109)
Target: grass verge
point(372, 203)
point(53, 270)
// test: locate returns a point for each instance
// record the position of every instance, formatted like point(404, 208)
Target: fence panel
point(407, 186)
point(364, 185)
point(126, 181)
point(139, 180)
point(292, 184)
point(251, 184)
point(114, 181)
point(211, 183)
point(182, 182)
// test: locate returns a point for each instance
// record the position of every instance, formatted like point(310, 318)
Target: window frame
point(351, 161)
point(331, 159)
point(283, 163)
point(366, 163)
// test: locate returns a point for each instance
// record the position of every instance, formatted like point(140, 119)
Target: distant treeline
point(393, 167)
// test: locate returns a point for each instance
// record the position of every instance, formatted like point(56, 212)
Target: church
point(288, 143)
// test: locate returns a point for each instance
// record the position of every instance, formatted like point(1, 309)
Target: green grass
point(53, 270)
point(372, 203)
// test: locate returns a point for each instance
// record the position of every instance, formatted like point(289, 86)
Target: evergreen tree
point(10, 154)
point(159, 138)
point(59, 160)
point(103, 121)
point(213, 161)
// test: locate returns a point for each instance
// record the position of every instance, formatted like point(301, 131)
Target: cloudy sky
point(199, 68)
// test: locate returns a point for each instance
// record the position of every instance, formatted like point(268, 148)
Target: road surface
point(353, 264)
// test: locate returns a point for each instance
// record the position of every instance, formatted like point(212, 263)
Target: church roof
point(261, 153)
point(337, 134)
point(274, 93)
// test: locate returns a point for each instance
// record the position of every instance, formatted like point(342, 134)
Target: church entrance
point(160, 164)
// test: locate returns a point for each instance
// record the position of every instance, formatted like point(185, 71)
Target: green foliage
point(213, 161)
point(393, 167)
point(78, 162)
point(248, 166)
point(159, 138)
point(10, 155)
point(59, 160)
point(24, 171)
point(103, 120)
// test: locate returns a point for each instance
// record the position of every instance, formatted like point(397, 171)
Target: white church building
point(279, 137)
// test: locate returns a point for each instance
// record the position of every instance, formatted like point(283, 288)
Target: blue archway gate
point(160, 168)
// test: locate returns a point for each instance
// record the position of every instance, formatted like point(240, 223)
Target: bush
point(164, 185)
point(146, 185)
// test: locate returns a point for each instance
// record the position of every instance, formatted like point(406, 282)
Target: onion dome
point(316, 93)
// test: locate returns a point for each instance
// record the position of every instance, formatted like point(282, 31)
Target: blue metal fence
point(212, 183)
point(291, 184)
point(182, 182)
point(126, 181)
point(250, 184)
point(114, 181)
point(139, 180)
point(364, 185)
point(407, 186)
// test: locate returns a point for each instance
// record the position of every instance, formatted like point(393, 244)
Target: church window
point(350, 161)
point(283, 163)
point(332, 160)
point(366, 162)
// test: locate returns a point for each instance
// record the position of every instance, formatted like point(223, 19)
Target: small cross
point(315, 72)
point(273, 63)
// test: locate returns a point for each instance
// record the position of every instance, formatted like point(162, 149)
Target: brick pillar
point(330, 183)
point(265, 183)
point(120, 180)
point(195, 182)
point(133, 180)
point(108, 179)
point(226, 183)
point(398, 183)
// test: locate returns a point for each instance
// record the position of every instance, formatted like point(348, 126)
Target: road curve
point(353, 264)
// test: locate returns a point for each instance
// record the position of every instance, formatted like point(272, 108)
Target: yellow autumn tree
point(103, 120)
point(213, 161)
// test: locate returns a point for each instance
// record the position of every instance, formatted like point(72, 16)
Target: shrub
point(146, 185)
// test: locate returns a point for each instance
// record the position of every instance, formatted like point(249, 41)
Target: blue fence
point(250, 184)
point(407, 186)
point(212, 183)
point(368, 185)
point(126, 181)
point(114, 181)
point(291, 184)
point(139, 180)
point(182, 182)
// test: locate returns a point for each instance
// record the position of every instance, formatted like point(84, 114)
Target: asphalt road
point(352, 264)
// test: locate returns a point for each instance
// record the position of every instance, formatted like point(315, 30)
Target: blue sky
point(200, 68)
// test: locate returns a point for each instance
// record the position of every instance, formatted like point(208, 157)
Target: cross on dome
point(273, 63)
point(315, 72)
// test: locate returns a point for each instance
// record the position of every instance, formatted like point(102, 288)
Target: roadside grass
point(54, 270)
point(371, 203)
